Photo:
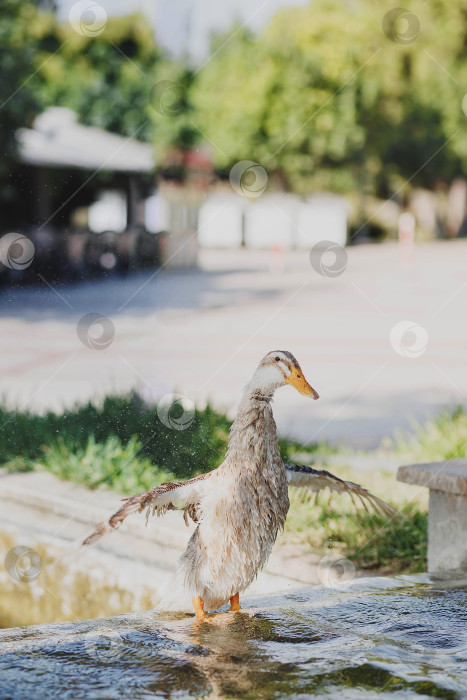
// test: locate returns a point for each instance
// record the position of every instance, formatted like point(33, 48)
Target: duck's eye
point(277, 359)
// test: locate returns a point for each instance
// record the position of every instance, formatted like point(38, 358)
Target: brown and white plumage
point(175, 495)
point(239, 507)
point(319, 479)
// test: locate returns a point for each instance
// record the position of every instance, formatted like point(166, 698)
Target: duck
point(240, 507)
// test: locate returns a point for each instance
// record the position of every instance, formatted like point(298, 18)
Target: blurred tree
point(342, 95)
point(348, 96)
point(106, 78)
point(18, 102)
point(172, 116)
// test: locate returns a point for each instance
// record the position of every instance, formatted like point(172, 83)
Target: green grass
point(99, 463)
point(123, 445)
point(442, 437)
point(334, 526)
point(368, 540)
point(120, 443)
point(26, 438)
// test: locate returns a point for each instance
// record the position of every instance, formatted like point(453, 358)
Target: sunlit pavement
point(202, 333)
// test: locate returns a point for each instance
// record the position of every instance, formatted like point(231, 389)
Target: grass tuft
point(442, 437)
point(335, 526)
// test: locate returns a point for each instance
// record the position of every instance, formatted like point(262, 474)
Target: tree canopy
point(332, 88)
point(105, 78)
point(339, 95)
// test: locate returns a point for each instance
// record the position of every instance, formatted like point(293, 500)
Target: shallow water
point(399, 638)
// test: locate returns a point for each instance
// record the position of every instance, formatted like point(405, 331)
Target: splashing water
point(400, 638)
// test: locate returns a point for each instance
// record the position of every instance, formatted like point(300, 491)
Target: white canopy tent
point(57, 140)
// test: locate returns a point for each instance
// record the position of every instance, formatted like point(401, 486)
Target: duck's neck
point(257, 390)
point(255, 400)
point(253, 432)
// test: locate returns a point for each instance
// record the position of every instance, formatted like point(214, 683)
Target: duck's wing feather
point(174, 495)
point(319, 479)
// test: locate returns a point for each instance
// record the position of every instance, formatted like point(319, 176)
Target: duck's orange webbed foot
point(235, 603)
point(198, 604)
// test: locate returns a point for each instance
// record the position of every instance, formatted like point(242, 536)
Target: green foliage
point(442, 437)
point(106, 79)
point(322, 98)
point(396, 545)
point(325, 99)
point(117, 466)
point(171, 113)
point(368, 540)
point(27, 439)
point(18, 103)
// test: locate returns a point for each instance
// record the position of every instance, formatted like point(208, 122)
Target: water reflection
point(399, 638)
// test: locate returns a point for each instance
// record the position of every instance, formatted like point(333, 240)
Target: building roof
point(57, 140)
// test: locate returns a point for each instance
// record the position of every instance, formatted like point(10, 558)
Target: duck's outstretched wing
point(319, 479)
point(174, 495)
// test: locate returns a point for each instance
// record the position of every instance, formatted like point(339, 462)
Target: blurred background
point(186, 185)
point(170, 166)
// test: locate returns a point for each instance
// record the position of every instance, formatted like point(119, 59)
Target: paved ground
point(202, 332)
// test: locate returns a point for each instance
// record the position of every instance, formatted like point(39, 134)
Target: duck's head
point(276, 369)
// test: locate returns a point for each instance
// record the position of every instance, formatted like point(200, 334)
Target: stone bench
point(447, 518)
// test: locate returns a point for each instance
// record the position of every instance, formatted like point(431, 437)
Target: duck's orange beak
point(298, 381)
